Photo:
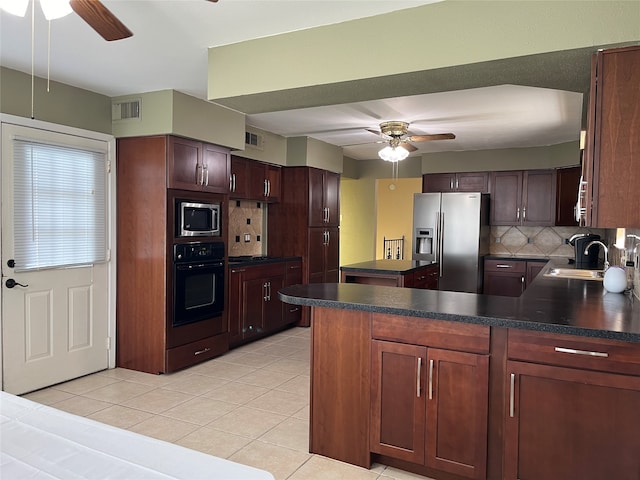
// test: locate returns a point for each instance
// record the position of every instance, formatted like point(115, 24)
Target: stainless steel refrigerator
point(453, 230)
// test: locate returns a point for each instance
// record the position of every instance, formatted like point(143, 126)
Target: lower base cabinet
point(255, 310)
point(568, 423)
point(430, 407)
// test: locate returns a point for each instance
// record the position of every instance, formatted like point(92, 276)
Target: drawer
point(574, 351)
point(460, 336)
point(293, 273)
point(507, 266)
point(195, 352)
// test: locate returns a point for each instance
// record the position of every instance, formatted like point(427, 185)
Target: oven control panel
point(198, 252)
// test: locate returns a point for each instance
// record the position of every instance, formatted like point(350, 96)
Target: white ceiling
point(169, 51)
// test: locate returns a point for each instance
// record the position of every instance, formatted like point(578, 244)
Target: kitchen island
point(392, 273)
point(456, 385)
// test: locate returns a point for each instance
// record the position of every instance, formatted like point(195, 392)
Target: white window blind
point(59, 206)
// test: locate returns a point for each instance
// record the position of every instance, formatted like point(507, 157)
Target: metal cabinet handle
point(269, 290)
point(431, 379)
point(231, 178)
point(518, 213)
point(457, 183)
point(581, 352)
point(503, 265)
point(451, 184)
point(264, 290)
point(198, 174)
point(512, 395)
point(268, 188)
point(524, 214)
point(418, 377)
point(522, 280)
point(206, 175)
point(200, 352)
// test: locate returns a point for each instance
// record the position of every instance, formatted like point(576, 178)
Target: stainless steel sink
point(576, 273)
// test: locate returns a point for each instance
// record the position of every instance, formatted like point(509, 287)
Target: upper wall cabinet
point(523, 197)
point(324, 192)
point(568, 180)
point(198, 166)
point(254, 180)
point(455, 182)
point(611, 168)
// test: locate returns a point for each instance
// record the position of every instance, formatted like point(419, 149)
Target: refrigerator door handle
point(441, 243)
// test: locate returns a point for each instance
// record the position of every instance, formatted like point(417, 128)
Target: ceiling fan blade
point(408, 147)
point(435, 136)
point(100, 19)
point(375, 132)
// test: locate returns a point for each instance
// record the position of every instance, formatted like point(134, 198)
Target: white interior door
point(55, 320)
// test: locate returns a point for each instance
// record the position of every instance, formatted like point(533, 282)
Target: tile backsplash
point(246, 228)
point(535, 241)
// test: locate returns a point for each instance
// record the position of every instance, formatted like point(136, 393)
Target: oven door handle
point(198, 266)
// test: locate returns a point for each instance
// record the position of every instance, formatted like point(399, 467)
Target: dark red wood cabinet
point(197, 166)
point(523, 197)
point(456, 182)
point(254, 180)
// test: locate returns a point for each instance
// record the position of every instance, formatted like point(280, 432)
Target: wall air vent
point(127, 110)
point(253, 140)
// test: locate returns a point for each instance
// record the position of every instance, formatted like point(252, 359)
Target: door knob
point(10, 283)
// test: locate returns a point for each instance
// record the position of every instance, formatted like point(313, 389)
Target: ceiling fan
point(93, 12)
point(396, 134)
point(101, 19)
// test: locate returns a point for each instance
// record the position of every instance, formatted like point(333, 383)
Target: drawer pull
point(512, 389)
point(503, 265)
point(581, 352)
point(200, 352)
point(418, 377)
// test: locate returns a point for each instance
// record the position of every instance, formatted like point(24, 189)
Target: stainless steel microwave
point(198, 219)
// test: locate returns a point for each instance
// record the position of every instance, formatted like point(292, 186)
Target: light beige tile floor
point(250, 405)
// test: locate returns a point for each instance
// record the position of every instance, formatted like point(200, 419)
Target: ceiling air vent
point(129, 110)
point(253, 140)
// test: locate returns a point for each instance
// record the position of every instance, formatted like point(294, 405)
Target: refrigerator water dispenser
point(424, 241)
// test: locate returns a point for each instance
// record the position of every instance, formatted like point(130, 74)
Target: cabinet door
point(273, 175)
point(571, 423)
point(254, 292)
point(457, 412)
point(257, 181)
point(235, 305)
point(239, 184)
point(316, 198)
point(533, 269)
point(215, 164)
point(611, 154)
point(272, 310)
point(332, 256)
point(504, 283)
point(472, 182)
point(567, 184)
point(426, 278)
point(185, 164)
point(398, 405)
point(331, 199)
point(438, 182)
point(538, 197)
point(317, 240)
point(506, 193)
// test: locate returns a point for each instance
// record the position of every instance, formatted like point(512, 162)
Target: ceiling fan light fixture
point(53, 9)
point(393, 154)
point(15, 7)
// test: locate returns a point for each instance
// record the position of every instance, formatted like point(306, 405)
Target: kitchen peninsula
point(456, 385)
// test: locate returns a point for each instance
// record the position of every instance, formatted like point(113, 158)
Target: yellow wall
point(394, 212)
point(357, 220)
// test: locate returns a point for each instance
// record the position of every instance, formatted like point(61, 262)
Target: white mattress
point(40, 442)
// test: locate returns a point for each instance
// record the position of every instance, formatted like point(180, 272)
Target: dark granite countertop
point(259, 260)
point(560, 305)
point(398, 267)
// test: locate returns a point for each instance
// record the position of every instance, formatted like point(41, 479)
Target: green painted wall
point(306, 151)
point(62, 104)
point(562, 155)
point(429, 37)
point(272, 150)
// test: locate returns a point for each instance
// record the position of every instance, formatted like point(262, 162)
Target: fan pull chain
point(49, 56)
point(33, 22)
